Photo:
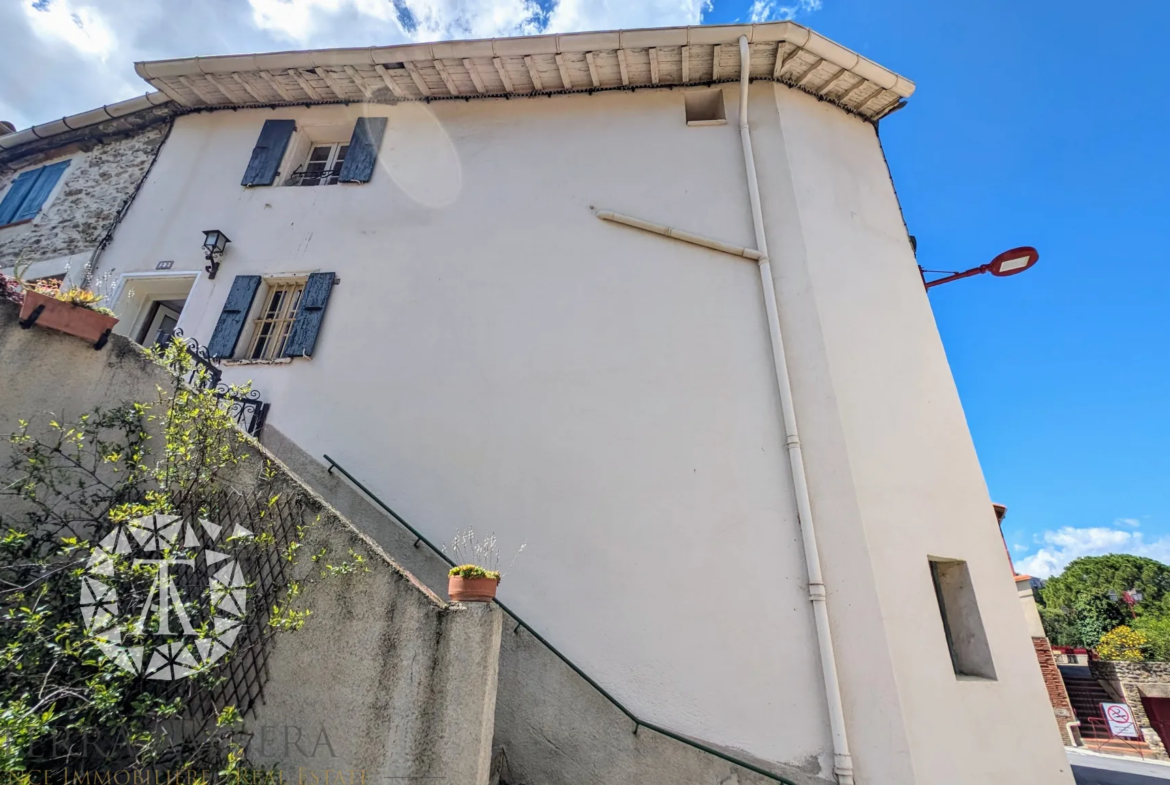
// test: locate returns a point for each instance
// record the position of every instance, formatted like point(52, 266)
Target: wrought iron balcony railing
point(249, 410)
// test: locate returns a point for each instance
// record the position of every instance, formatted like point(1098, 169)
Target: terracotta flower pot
point(67, 318)
point(471, 589)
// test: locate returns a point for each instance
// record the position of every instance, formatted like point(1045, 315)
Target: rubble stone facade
point(107, 163)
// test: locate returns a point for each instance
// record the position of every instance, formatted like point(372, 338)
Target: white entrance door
point(161, 326)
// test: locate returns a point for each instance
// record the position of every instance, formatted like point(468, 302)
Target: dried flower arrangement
point(477, 573)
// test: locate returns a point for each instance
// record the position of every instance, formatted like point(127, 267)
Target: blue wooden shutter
point(268, 152)
point(310, 314)
point(39, 193)
point(235, 313)
point(363, 150)
point(16, 194)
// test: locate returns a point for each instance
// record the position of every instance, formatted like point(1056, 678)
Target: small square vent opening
point(705, 107)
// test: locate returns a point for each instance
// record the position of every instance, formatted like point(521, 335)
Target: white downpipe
point(842, 760)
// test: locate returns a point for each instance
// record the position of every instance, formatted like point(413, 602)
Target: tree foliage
point(1156, 628)
point(1096, 576)
point(1077, 610)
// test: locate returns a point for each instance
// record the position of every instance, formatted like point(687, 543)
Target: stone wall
point(384, 679)
point(1057, 694)
point(103, 174)
point(1133, 681)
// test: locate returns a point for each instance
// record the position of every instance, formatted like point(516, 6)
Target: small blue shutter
point(363, 150)
point(268, 152)
point(235, 312)
point(16, 194)
point(310, 314)
point(39, 194)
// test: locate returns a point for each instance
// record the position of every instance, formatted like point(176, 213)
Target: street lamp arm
point(983, 268)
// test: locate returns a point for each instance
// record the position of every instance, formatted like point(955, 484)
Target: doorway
point(150, 306)
point(161, 321)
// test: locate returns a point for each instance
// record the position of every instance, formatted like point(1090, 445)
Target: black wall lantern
point(214, 243)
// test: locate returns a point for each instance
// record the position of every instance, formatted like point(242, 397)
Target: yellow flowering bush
point(1122, 643)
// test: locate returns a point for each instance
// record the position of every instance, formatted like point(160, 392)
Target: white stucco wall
point(497, 357)
point(509, 362)
point(894, 472)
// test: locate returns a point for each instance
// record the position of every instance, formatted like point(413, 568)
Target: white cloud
point(1134, 522)
point(1067, 543)
point(770, 10)
point(572, 15)
point(75, 55)
point(81, 27)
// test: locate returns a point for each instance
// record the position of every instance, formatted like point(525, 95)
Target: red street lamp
point(1131, 597)
point(1007, 263)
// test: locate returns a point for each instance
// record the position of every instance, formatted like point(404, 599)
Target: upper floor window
point(29, 192)
point(323, 166)
point(315, 155)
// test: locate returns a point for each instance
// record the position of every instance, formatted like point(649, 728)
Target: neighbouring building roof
point(577, 62)
point(76, 122)
point(530, 65)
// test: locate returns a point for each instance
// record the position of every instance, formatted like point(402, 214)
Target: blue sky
point(1040, 123)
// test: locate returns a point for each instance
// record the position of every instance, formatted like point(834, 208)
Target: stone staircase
point(1086, 695)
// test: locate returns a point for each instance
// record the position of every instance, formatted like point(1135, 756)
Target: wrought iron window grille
point(319, 177)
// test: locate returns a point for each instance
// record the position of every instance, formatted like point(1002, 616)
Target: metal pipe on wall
point(842, 760)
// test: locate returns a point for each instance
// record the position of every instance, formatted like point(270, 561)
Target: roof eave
point(802, 58)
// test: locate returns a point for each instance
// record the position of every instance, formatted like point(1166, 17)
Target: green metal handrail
point(521, 623)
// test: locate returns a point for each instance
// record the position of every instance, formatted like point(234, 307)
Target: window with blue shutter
point(235, 313)
point(268, 152)
point(29, 192)
point(363, 150)
point(310, 314)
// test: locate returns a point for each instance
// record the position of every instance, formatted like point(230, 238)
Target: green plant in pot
point(477, 576)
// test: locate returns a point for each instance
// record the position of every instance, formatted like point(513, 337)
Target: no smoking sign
point(1120, 719)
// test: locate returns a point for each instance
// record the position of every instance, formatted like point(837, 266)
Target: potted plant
point(73, 311)
point(472, 583)
point(477, 576)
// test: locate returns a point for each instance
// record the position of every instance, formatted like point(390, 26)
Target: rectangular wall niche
point(966, 639)
point(705, 107)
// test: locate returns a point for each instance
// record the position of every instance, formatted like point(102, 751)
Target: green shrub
point(472, 571)
point(1156, 628)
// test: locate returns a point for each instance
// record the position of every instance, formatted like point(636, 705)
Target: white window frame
point(284, 318)
point(299, 175)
